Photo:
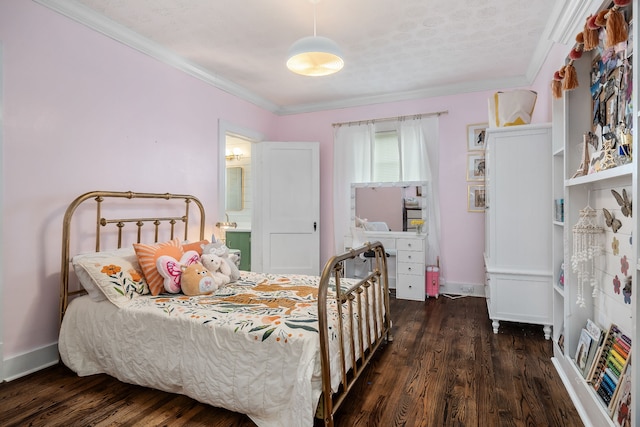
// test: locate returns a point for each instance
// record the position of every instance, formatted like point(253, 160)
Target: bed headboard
point(168, 218)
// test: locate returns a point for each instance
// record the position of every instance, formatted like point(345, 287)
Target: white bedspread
point(250, 350)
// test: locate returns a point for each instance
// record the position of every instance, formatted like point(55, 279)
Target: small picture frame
point(476, 136)
point(475, 167)
point(476, 198)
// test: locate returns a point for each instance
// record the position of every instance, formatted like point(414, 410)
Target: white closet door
point(290, 207)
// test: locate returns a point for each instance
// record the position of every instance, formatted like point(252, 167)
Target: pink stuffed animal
point(171, 269)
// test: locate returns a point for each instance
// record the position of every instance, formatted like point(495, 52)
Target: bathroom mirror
point(234, 189)
point(392, 203)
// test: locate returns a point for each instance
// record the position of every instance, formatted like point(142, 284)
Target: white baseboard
point(27, 363)
point(469, 289)
point(572, 392)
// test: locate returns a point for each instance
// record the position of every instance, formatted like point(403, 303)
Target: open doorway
point(238, 187)
point(239, 199)
point(236, 180)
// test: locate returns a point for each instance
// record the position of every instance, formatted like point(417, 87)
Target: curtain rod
point(386, 119)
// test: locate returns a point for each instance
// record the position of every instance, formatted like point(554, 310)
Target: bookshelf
point(607, 304)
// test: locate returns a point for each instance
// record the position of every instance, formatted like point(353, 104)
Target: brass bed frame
point(356, 298)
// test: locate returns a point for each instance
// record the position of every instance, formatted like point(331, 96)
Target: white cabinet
point(405, 264)
point(518, 225)
point(410, 276)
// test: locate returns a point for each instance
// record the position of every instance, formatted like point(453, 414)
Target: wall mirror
point(391, 205)
point(234, 189)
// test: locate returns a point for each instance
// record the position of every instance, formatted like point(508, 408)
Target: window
point(386, 157)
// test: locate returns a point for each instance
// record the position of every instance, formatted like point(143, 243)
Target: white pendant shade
point(315, 56)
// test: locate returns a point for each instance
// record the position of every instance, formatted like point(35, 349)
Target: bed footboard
point(367, 300)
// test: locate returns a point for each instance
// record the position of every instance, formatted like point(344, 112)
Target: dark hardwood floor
point(445, 367)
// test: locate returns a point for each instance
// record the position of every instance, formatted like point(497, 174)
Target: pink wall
point(83, 112)
point(462, 239)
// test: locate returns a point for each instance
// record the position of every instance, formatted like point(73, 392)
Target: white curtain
point(419, 158)
point(351, 163)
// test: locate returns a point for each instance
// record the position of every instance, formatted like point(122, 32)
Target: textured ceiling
point(393, 50)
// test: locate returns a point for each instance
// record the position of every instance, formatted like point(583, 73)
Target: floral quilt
point(251, 347)
point(262, 306)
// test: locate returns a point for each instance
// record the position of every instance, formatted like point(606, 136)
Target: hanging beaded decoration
point(586, 248)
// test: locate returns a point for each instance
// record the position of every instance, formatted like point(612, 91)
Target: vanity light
point(235, 154)
point(226, 224)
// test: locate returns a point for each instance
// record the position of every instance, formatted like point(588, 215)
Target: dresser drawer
point(411, 268)
point(410, 256)
point(410, 244)
point(410, 287)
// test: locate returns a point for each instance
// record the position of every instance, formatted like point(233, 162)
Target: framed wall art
point(475, 166)
point(475, 136)
point(475, 198)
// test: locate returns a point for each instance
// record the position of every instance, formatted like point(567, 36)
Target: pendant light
point(315, 55)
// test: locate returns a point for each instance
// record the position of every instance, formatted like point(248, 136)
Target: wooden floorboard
point(445, 367)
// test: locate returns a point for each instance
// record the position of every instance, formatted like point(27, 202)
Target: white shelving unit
point(557, 231)
point(572, 117)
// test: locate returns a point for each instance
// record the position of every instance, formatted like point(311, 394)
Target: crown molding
point(565, 16)
point(88, 17)
point(547, 39)
point(568, 17)
point(440, 90)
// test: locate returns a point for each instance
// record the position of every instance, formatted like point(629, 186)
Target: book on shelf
point(597, 362)
point(597, 336)
point(559, 210)
point(586, 345)
point(561, 276)
point(594, 330)
point(608, 370)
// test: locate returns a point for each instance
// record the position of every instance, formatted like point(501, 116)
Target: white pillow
point(114, 275)
point(376, 226)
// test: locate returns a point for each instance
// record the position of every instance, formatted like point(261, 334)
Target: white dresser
point(406, 263)
point(518, 225)
point(410, 267)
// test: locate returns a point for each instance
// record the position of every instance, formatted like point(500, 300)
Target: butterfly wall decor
point(623, 201)
point(612, 222)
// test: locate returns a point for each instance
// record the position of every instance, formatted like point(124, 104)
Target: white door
point(289, 206)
